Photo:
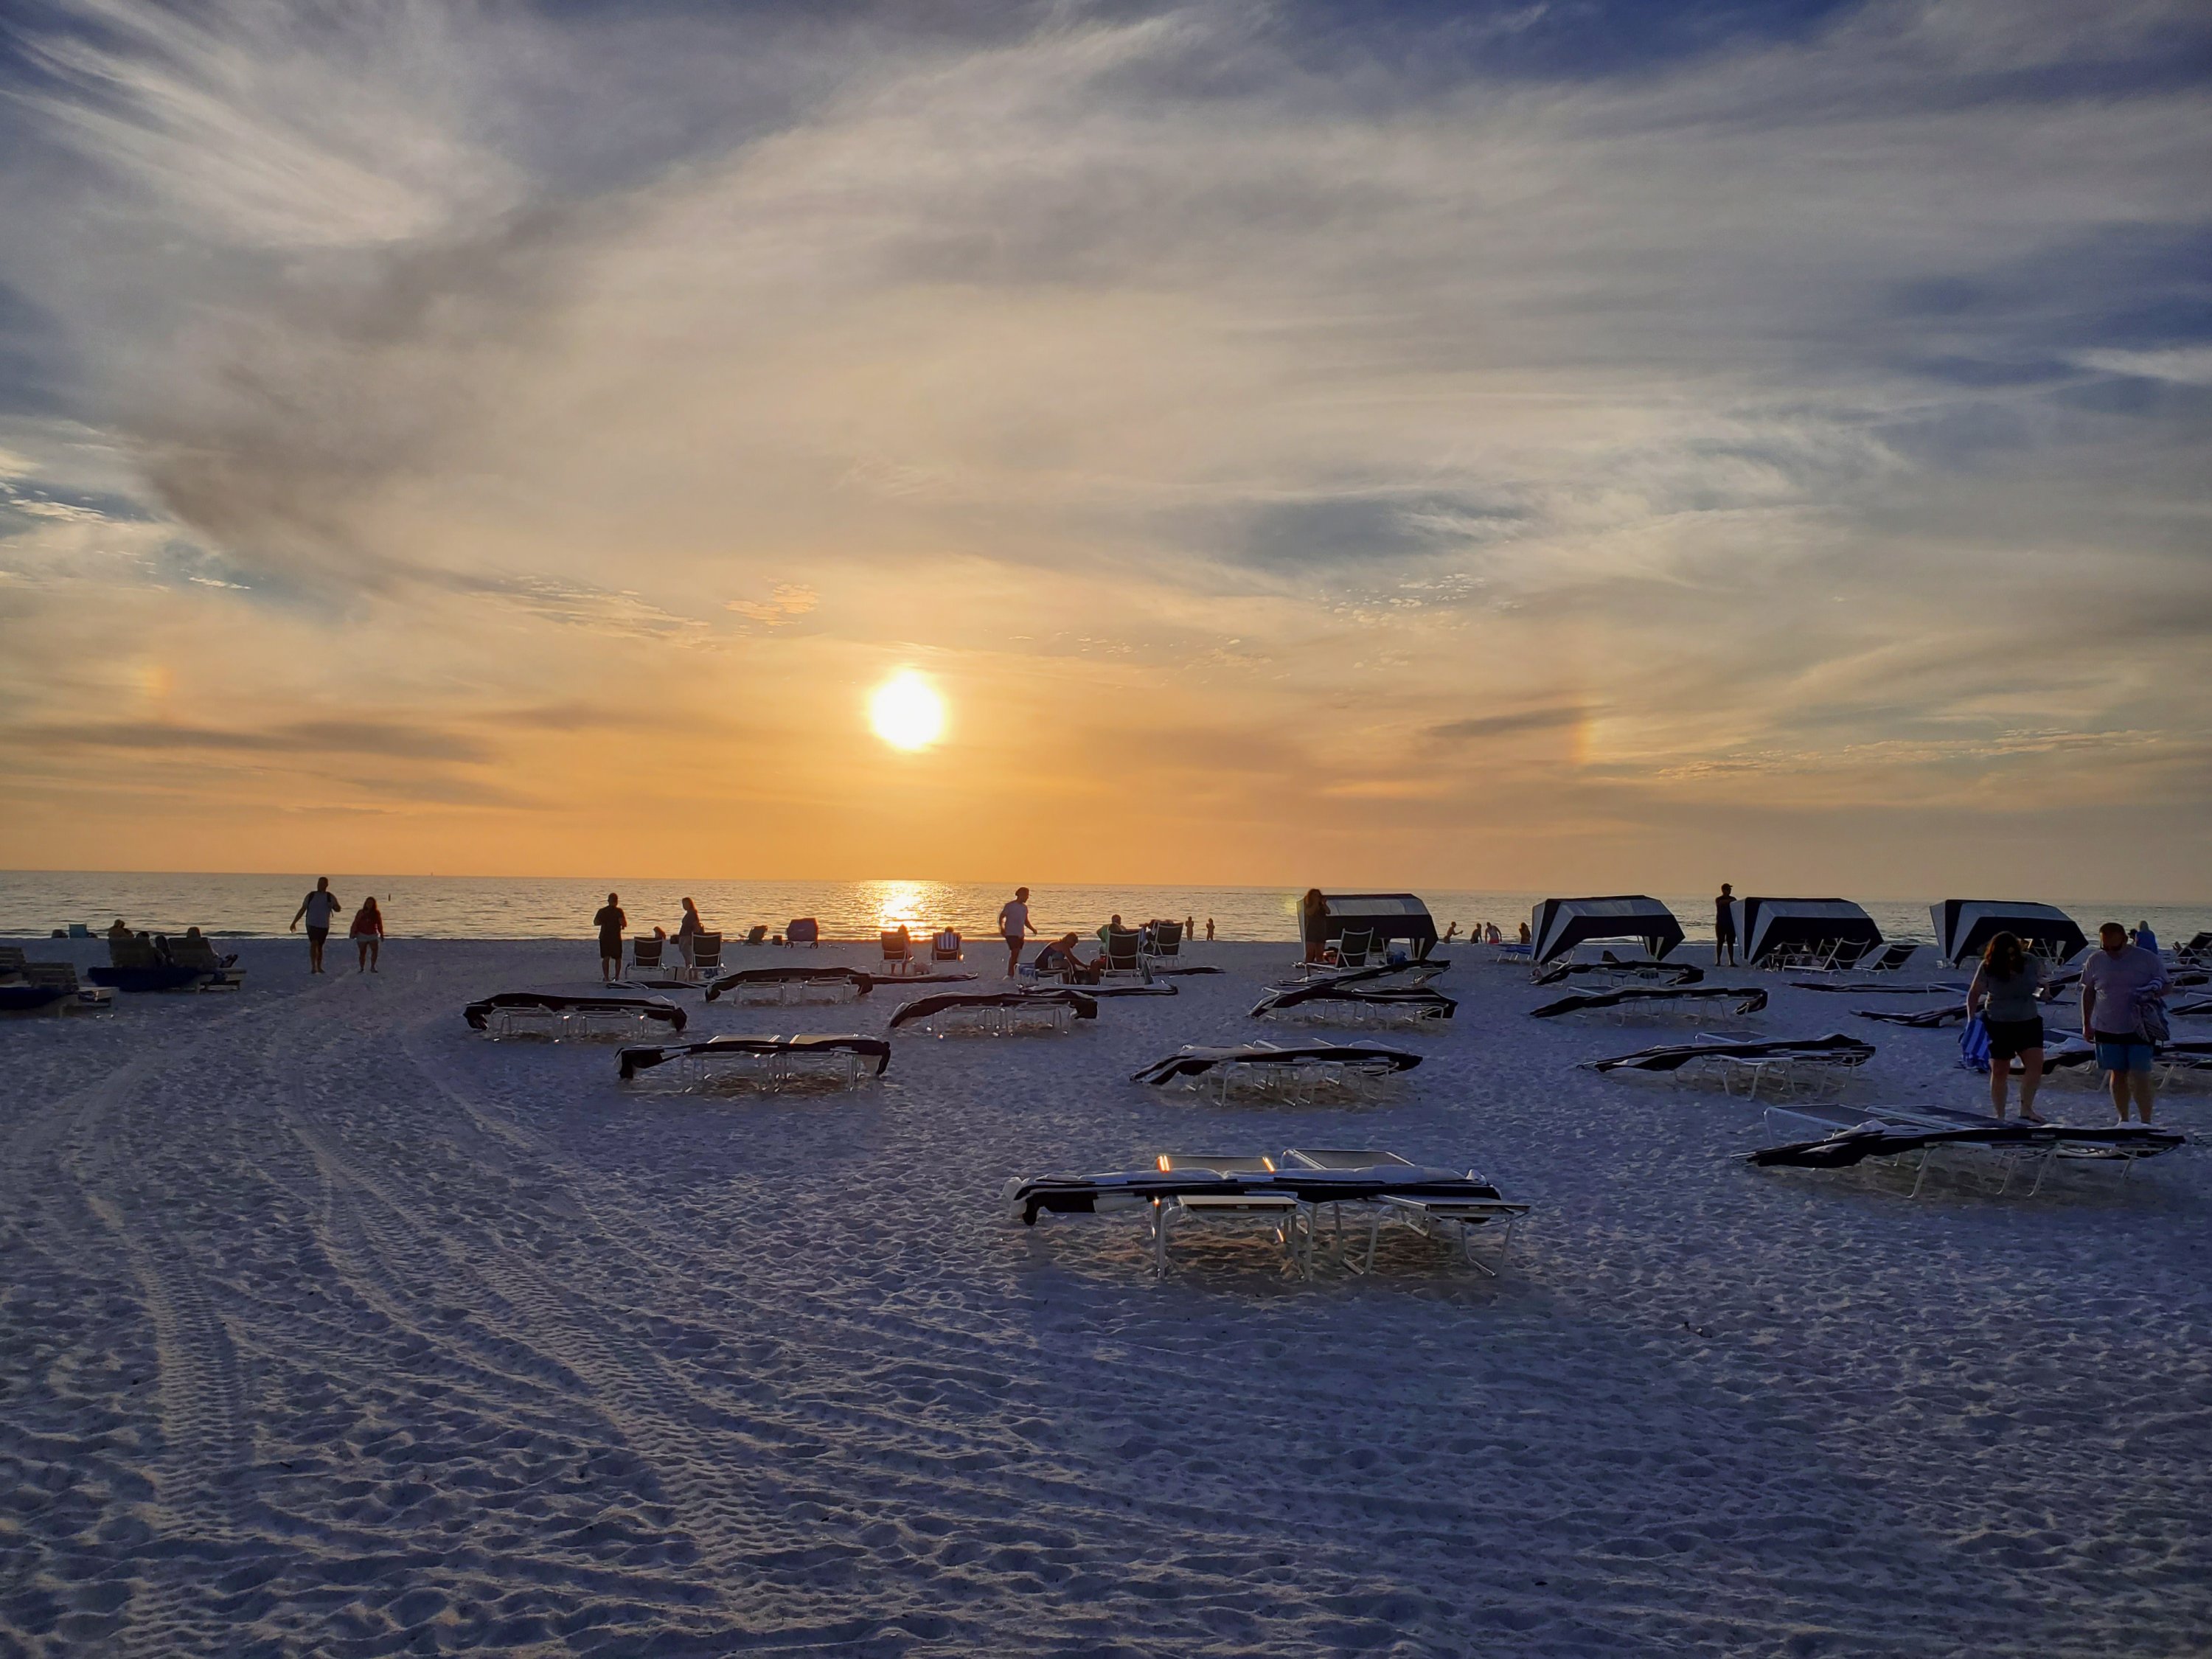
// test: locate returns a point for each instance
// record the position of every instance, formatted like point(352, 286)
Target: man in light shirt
point(1014, 926)
point(2116, 981)
point(319, 906)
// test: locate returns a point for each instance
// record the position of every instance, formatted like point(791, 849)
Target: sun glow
point(906, 712)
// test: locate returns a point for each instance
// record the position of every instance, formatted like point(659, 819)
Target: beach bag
point(1974, 1045)
point(2151, 1020)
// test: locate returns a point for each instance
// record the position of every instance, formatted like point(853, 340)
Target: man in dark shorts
point(319, 906)
point(611, 921)
point(2116, 980)
point(1724, 925)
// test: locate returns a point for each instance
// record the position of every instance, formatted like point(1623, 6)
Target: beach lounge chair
point(645, 955)
point(1123, 955)
point(140, 963)
point(2197, 952)
point(559, 1017)
point(1301, 1074)
point(1779, 1068)
point(1163, 942)
point(945, 947)
point(1331, 1001)
point(1920, 1019)
point(2184, 1063)
point(768, 1064)
point(898, 955)
point(1611, 970)
point(784, 987)
point(1460, 1217)
point(803, 931)
point(706, 955)
point(997, 1013)
point(1890, 959)
point(1657, 1001)
point(1286, 1196)
point(192, 952)
point(1848, 1136)
point(47, 987)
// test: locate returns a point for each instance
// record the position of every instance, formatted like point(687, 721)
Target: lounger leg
point(1159, 1238)
point(1926, 1153)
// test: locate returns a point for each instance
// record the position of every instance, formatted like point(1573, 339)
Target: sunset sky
point(1587, 445)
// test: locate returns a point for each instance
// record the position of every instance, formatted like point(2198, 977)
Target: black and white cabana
point(1964, 928)
point(1557, 924)
point(1383, 917)
point(1805, 932)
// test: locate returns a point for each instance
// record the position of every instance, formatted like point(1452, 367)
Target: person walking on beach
point(317, 907)
point(2118, 981)
point(1014, 926)
point(611, 921)
point(368, 934)
point(1724, 928)
point(2007, 994)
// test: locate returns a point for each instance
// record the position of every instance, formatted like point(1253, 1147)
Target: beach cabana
point(1557, 924)
point(1384, 918)
point(1805, 932)
point(1964, 928)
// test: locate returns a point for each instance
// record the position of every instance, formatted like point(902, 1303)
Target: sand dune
point(329, 1326)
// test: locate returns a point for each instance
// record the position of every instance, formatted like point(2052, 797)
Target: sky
point(1567, 445)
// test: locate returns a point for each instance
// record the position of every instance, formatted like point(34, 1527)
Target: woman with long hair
point(368, 934)
point(1313, 922)
point(2006, 993)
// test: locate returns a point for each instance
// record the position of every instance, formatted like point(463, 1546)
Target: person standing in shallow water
point(1724, 925)
point(611, 921)
point(317, 907)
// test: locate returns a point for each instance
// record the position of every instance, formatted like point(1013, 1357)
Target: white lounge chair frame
point(1042, 1017)
point(1278, 1211)
point(569, 1024)
point(1293, 1082)
point(776, 1072)
point(793, 992)
point(1458, 1222)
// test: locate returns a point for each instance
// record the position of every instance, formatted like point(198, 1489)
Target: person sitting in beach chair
point(898, 952)
point(945, 947)
point(645, 954)
point(1058, 960)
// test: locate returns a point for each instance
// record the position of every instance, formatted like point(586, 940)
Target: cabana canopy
point(1387, 916)
point(1558, 925)
point(1964, 928)
point(1769, 926)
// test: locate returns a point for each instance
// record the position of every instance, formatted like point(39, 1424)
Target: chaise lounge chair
point(1785, 1067)
point(899, 960)
point(1677, 1001)
point(1850, 1137)
point(1613, 971)
point(47, 987)
point(770, 1065)
point(997, 1013)
point(945, 947)
point(1302, 1075)
point(784, 987)
point(558, 1017)
point(1331, 1001)
point(143, 964)
point(1460, 1216)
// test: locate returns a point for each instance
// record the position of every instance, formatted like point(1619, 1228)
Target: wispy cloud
point(1815, 399)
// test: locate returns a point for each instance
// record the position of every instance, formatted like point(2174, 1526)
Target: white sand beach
point(329, 1326)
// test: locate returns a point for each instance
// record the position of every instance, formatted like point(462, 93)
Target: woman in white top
point(1014, 926)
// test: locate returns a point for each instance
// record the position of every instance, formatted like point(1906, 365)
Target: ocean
point(34, 903)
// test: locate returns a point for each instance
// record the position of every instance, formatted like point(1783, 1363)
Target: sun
point(906, 712)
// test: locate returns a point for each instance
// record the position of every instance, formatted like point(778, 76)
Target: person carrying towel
point(2116, 982)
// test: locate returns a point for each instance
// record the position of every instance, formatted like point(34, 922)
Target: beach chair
point(1337, 1003)
point(1277, 1212)
point(1460, 1219)
point(47, 987)
point(996, 1013)
point(645, 955)
point(945, 947)
point(1123, 957)
point(771, 1065)
point(558, 1017)
point(1656, 1002)
point(706, 955)
point(1352, 947)
point(1889, 959)
point(785, 987)
point(1300, 1075)
point(140, 963)
point(1163, 942)
point(804, 930)
point(898, 955)
point(1849, 1137)
point(1778, 1068)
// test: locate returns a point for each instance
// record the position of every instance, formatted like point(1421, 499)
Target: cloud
point(1808, 395)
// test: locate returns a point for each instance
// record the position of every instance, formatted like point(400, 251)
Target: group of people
point(1060, 956)
point(319, 908)
point(613, 924)
point(2123, 1014)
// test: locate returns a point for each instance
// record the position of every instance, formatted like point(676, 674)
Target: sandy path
point(328, 1328)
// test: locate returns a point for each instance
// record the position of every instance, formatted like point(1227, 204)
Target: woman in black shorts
point(2007, 994)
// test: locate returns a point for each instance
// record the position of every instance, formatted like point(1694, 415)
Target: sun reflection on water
point(922, 906)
